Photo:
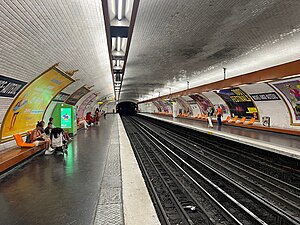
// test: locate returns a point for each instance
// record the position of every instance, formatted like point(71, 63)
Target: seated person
point(39, 138)
point(89, 118)
point(48, 129)
point(83, 121)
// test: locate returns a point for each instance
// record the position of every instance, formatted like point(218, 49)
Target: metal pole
point(224, 69)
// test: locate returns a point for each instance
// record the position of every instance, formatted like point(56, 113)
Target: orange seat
point(20, 142)
point(241, 121)
point(233, 120)
point(250, 121)
point(227, 119)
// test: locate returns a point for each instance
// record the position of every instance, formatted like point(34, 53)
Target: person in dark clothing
point(49, 128)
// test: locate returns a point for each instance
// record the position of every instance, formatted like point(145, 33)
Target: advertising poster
point(84, 104)
point(77, 95)
point(239, 103)
point(202, 102)
point(290, 90)
point(185, 106)
point(66, 118)
point(61, 97)
point(30, 104)
point(166, 106)
point(158, 106)
point(10, 87)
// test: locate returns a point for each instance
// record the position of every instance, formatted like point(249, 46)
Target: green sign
point(66, 118)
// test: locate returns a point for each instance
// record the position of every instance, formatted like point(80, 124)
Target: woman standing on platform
point(219, 116)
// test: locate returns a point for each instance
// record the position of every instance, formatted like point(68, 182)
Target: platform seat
point(11, 157)
point(227, 119)
point(241, 121)
point(250, 122)
point(21, 143)
point(233, 120)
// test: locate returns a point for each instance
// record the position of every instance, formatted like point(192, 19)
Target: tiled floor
point(66, 190)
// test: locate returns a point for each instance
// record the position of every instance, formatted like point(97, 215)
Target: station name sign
point(9, 87)
point(270, 96)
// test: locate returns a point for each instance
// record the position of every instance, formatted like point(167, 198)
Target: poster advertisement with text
point(239, 103)
point(30, 104)
point(202, 102)
point(77, 95)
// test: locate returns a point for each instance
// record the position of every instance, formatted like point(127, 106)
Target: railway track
point(203, 186)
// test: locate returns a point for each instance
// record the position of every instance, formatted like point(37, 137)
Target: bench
point(13, 156)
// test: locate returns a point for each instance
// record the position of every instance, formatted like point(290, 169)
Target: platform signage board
point(30, 104)
point(238, 102)
point(10, 87)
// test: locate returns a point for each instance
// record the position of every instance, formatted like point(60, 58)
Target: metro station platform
point(283, 144)
point(98, 182)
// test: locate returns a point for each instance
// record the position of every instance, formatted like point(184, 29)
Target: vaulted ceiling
point(36, 34)
point(176, 41)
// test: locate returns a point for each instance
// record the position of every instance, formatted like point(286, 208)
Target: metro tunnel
point(136, 112)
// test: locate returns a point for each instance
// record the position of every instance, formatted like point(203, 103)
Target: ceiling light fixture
point(118, 44)
point(120, 7)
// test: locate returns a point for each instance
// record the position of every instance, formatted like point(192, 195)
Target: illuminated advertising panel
point(30, 104)
point(290, 91)
point(77, 95)
point(65, 118)
point(239, 103)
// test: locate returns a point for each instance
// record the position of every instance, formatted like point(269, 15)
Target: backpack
point(27, 140)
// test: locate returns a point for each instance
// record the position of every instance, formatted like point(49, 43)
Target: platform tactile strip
point(109, 209)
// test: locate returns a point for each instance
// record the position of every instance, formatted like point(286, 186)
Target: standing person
point(210, 113)
point(97, 115)
point(219, 115)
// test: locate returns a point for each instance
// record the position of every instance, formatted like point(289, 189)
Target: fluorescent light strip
point(120, 7)
point(118, 44)
point(118, 62)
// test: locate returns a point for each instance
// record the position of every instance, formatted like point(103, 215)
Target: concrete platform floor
point(81, 188)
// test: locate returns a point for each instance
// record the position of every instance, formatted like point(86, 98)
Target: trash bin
point(266, 121)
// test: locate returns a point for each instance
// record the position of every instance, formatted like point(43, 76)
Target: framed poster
point(30, 104)
point(238, 102)
point(77, 95)
point(290, 91)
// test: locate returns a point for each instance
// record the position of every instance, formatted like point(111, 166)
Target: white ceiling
point(173, 41)
point(35, 34)
point(178, 40)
